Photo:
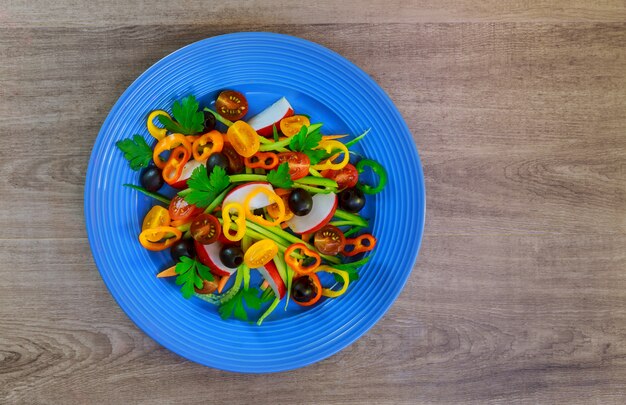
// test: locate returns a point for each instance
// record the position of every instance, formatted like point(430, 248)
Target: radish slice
point(239, 194)
point(263, 121)
point(324, 206)
point(209, 255)
point(270, 274)
point(186, 173)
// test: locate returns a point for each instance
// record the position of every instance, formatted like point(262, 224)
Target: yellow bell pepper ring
point(327, 292)
point(147, 238)
point(158, 133)
point(274, 198)
point(329, 146)
point(260, 253)
point(240, 221)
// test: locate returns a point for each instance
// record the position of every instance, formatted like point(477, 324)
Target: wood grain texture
point(518, 109)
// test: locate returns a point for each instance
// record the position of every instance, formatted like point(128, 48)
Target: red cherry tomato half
point(205, 228)
point(180, 210)
point(345, 178)
point(329, 240)
point(298, 163)
point(231, 105)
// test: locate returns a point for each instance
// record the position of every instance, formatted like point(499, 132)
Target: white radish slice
point(324, 206)
point(189, 167)
point(209, 255)
point(270, 274)
point(263, 121)
point(240, 193)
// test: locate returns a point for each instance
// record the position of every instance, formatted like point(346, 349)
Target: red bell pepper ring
point(358, 246)
point(262, 160)
point(175, 164)
point(296, 264)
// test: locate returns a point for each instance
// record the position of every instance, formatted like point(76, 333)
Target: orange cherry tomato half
point(156, 217)
point(243, 138)
point(329, 240)
point(298, 162)
point(231, 105)
point(181, 210)
point(290, 126)
point(205, 228)
point(260, 253)
point(345, 178)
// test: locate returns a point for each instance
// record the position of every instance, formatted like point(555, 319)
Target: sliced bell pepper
point(297, 264)
point(175, 164)
point(329, 147)
point(169, 143)
point(327, 292)
point(376, 168)
point(262, 160)
point(358, 245)
point(147, 237)
point(207, 144)
point(274, 198)
point(158, 133)
point(260, 253)
point(240, 221)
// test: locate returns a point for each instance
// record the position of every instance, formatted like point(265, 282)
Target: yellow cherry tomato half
point(155, 218)
point(291, 125)
point(260, 253)
point(243, 138)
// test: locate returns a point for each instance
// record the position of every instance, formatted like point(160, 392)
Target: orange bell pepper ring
point(329, 147)
point(175, 164)
point(207, 144)
point(358, 246)
point(274, 198)
point(147, 238)
point(169, 143)
point(262, 160)
point(297, 264)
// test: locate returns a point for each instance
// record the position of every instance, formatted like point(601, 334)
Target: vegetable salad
point(270, 194)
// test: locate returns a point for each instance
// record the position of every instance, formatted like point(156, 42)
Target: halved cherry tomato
point(329, 240)
point(205, 228)
point(181, 210)
point(306, 290)
point(298, 164)
point(235, 161)
point(262, 160)
point(207, 144)
point(260, 253)
point(175, 164)
point(231, 105)
point(244, 138)
point(290, 126)
point(345, 178)
point(156, 217)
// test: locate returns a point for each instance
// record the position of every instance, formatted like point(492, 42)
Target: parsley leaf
point(235, 306)
point(187, 270)
point(280, 177)
point(189, 120)
point(204, 189)
point(306, 143)
point(136, 151)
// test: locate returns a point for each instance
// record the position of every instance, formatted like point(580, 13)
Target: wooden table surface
point(518, 110)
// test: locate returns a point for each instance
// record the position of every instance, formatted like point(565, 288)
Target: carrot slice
point(170, 272)
point(222, 283)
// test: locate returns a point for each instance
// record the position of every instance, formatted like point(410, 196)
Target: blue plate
point(317, 82)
